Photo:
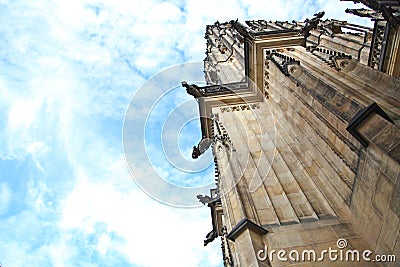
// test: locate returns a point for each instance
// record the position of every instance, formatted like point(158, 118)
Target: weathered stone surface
point(390, 231)
point(383, 192)
point(395, 199)
point(285, 158)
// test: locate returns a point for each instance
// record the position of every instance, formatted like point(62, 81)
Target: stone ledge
point(243, 225)
point(361, 118)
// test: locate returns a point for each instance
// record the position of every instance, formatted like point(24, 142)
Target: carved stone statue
point(365, 13)
point(195, 153)
point(203, 145)
point(192, 89)
point(210, 237)
point(319, 15)
point(331, 27)
point(257, 25)
point(311, 24)
point(204, 199)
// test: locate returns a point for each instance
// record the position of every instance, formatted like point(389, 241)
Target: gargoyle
point(331, 28)
point(192, 89)
point(365, 13)
point(203, 145)
point(318, 15)
point(210, 237)
point(196, 152)
point(311, 24)
point(204, 199)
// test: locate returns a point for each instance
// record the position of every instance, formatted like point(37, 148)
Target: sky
point(74, 79)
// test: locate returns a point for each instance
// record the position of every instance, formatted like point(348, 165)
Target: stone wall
point(292, 173)
point(293, 168)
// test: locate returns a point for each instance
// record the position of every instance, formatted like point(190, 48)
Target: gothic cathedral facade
point(303, 119)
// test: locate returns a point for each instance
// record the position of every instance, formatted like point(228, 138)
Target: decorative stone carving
point(204, 199)
point(282, 61)
point(292, 69)
point(311, 24)
point(316, 162)
point(203, 145)
point(341, 63)
point(331, 27)
point(225, 109)
point(366, 13)
point(378, 46)
point(334, 59)
point(210, 237)
point(193, 90)
point(388, 9)
point(220, 134)
point(216, 38)
point(257, 26)
point(226, 250)
point(239, 107)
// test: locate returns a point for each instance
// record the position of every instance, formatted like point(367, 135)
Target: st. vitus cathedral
point(303, 122)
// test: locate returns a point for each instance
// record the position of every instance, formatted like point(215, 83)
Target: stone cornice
point(245, 224)
point(361, 117)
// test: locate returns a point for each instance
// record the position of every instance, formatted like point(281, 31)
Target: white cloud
point(69, 69)
point(152, 234)
point(5, 198)
point(22, 113)
point(289, 10)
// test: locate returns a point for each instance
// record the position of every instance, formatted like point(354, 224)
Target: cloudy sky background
point(68, 71)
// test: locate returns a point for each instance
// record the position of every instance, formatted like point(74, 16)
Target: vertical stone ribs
point(224, 48)
point(218, 31)
point(342, 106)
point(337, 103)
point(329, 106)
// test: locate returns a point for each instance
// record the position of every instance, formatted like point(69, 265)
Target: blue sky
point(68, 72)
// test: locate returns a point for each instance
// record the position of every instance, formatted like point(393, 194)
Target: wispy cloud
point(5, 197)
point(68, 71)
